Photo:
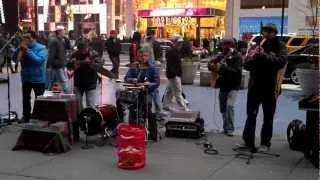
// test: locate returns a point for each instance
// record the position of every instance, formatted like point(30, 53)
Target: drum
point(97, 119)
point(90, 121)
point(109, 116)
point(128, 96)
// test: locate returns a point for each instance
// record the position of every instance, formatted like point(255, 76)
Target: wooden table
point(55, 109)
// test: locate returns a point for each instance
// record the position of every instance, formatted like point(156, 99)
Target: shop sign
point(179, 21)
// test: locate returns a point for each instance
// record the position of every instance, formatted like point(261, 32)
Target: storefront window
point(256, 4)
point(193, 19)
point(26, 14)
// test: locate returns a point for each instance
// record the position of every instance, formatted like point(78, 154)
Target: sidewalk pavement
point(169, 159)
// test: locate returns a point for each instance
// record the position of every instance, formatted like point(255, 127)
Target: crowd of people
point(52, 62)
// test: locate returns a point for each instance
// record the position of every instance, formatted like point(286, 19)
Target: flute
point(20, 55)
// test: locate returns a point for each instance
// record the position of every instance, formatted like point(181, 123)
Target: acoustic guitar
point(219, 59)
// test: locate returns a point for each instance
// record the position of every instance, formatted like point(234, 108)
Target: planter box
point(309, 80)
point(245, 79)
point(189, 71)
point(205, 77)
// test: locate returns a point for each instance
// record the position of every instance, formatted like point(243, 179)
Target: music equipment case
point(187, 124)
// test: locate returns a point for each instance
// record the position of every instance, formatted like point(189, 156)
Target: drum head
point(94, 119)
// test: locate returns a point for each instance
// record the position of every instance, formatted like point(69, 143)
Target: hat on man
point(178, 39)
point(228, 40)
point(270, 27)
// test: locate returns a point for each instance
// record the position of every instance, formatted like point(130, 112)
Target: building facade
point(9, 16)
point(188, 18)
point(81, 16)
point(245, 16)
point(304, 17)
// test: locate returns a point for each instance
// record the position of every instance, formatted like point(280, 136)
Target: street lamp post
point(36, 15)
point(282, 17)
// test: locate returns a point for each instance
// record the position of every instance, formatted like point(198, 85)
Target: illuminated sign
point(181, 12)
point(171, 12)
point(180, 21)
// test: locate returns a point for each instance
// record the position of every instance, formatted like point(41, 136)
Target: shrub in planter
point(190, 63)
point(189, 69)
point(308, 75)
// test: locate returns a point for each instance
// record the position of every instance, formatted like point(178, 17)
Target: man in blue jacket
point(141, 72)
point(33, 70)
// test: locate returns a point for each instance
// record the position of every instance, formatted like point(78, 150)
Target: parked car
point(297, 42)
point(305, 55)
point(257, 38)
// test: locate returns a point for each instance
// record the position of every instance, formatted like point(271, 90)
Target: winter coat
point(173, 63)
point(33, 64)
point(264, 69)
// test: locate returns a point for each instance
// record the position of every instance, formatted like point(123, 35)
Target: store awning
point(181, 12)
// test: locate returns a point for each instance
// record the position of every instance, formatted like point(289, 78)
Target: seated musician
point(141, 72)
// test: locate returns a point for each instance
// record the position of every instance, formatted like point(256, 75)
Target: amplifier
point(184, 124)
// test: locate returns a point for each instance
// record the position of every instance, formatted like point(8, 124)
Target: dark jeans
point(115, 60)
point(38, 89)
point(268, 101)
point(227, 100)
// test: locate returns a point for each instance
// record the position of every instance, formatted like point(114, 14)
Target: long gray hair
point(147, 47)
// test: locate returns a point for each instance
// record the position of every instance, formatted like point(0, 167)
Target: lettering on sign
point(163, 21)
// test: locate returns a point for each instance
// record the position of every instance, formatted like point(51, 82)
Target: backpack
point(296, 135)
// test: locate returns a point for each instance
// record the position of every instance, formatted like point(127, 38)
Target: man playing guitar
point(226, 68)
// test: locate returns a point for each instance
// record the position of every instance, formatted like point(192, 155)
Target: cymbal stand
point(7, 81)
point(86, 145)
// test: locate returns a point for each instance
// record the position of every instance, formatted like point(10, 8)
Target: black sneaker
point(264, 148)
point(24, 120)
point(245, 147)
point(229, 133)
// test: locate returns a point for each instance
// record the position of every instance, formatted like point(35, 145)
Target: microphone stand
point(6, 58)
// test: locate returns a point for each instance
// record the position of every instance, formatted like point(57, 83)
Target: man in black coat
point(114, 49)
point(174, 73)
point(266, 64)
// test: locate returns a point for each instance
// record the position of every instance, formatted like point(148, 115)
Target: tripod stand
point(6, 119)
point(207, 145)
point(249, 153)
